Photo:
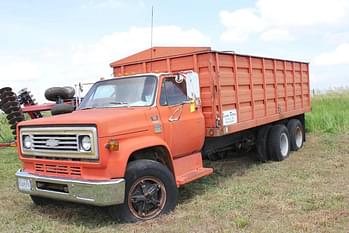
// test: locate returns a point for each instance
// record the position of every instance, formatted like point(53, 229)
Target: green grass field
point(308, 192)
point(329, 113)
point(5, 131)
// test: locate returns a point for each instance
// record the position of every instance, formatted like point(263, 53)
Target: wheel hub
point(147, 197)
point(299, 137)
point(284, 145)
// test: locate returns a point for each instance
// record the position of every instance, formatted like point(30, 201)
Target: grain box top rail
point(159, 53)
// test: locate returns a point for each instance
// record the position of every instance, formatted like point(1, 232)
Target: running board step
point(193, 175)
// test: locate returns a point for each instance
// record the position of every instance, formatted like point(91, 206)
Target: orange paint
point(249, 90)
point(262, 90)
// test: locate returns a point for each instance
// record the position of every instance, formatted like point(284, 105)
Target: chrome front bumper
point(99, 193)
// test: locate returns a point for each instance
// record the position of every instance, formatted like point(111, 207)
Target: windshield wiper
point(119, 103)
point(113, 102)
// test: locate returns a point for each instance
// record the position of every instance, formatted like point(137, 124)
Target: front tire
point(279, 142)
point(150, 191)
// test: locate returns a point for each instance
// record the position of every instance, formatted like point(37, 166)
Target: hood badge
point(52, 142)
point(157, 128)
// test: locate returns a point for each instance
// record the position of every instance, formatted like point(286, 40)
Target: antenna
point(151, 26)
point(151, 37)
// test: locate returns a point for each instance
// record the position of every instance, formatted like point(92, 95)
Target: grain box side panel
point(262, 90)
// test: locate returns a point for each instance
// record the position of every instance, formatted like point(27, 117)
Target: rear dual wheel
point(275, 142)
point(272, 143)
point(279, 143)
point(296, 130)
point(262, 153)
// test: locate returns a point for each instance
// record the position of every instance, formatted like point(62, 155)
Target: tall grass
point(330, 113)
point(5, 131)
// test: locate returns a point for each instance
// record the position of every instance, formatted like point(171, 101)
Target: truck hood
point(109, 121)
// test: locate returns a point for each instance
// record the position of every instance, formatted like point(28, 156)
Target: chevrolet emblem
point(52, 142)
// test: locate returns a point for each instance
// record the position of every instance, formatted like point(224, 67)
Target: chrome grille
point(59, 142)
point(68, 142)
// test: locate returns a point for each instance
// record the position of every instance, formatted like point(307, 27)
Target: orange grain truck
point(138, 137)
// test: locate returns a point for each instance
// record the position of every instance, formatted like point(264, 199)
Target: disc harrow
point(26, 98)
point(11, 106)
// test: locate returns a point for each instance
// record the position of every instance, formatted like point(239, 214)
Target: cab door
point(183, 123)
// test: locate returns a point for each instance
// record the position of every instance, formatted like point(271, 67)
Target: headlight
point(27, 142)
point(85, 143)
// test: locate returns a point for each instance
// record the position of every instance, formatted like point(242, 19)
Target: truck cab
point(131, 143)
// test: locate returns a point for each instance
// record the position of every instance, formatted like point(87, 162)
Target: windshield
point(121, 92)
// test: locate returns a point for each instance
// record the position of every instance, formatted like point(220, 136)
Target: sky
point(62, 43)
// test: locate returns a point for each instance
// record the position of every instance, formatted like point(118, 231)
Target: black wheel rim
point(147, 197)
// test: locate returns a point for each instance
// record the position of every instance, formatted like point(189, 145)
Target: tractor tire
point(5, 89)
point(150, 191)
point(11, 107)
point(56, 93)
point(62, 109)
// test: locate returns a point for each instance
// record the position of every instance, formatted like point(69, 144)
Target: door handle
point(176, 115)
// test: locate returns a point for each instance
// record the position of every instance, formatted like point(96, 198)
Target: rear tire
point(296, 130)
point(262, 153)
point(279, 143)
point(150, 191)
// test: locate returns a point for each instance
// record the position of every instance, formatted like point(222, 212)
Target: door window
point(172, 92)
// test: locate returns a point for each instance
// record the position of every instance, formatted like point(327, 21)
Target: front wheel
point(150, 191)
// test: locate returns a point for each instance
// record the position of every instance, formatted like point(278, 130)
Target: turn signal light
point(112, 145)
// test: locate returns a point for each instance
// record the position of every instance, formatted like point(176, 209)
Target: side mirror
point(193, 87)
